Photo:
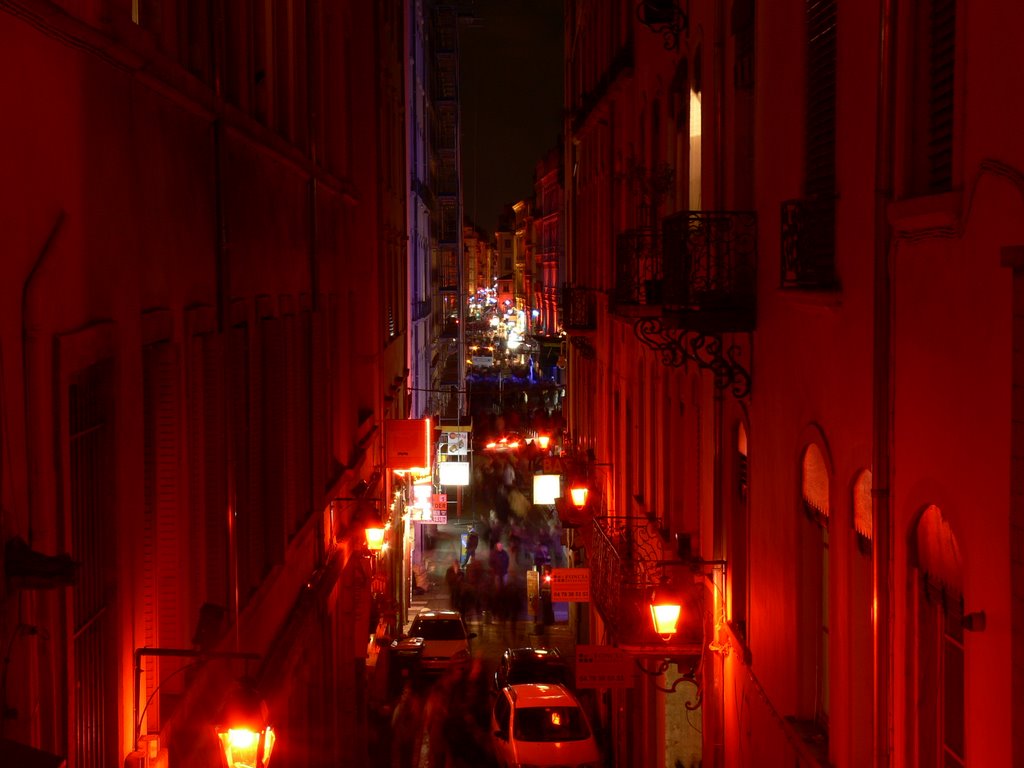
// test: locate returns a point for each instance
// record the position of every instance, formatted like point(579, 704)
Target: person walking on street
point(499, 565)
point(453, 580)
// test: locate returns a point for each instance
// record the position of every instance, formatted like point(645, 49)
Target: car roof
point(438, 613)
point(534, 654)
point(541, 695)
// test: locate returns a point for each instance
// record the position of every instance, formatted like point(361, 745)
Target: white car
point(445, 639)
point(540, 724)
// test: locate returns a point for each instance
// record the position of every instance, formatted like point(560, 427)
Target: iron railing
point(638, 270)
point(579, 308)
point(624, 560)
point(710, 267)
point(808, 244)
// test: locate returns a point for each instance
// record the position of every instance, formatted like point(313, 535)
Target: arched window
point(813, 588)
point(737, 536)
point(940, 642)
point(862, 514)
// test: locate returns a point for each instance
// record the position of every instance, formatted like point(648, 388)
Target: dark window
point(91, 478)
point(931, 139)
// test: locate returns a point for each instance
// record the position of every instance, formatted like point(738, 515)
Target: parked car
point(531, 665)
point(445, 639)
point(542, 724)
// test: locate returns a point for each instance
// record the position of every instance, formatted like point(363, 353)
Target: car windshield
point(439, 629)
point(550, 724)
point(537, 671)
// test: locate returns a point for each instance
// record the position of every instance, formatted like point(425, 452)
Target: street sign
point(603, 666)
point(570, 585)
point(532, 585)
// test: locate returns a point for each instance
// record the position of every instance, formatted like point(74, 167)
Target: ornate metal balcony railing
point(710, 269)
point(808, 244)
point(625, 559)
point(579, 308)
point(638, 271)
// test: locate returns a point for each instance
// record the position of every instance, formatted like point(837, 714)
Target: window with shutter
point(163, 538)
point(820, 138)
point(930, 137)
point(813, 578)
point(91, 479)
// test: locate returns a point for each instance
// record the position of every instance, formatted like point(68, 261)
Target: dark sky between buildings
point(511, 90)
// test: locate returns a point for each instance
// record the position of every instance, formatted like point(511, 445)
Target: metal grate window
point(941, 70)
point(90, 407)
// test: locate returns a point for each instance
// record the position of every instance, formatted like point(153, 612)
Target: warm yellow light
point(666, 619)
point(242, 739)
point(243, 748)
point(374, 538)
point(578, 494)
point(543, 441)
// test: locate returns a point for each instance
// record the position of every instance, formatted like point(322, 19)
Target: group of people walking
point(485, 591)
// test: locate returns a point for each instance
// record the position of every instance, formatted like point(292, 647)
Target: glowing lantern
point(374, 538)
point(665, 611)
point(578, 494)
point(543, 441)
point(245, 733)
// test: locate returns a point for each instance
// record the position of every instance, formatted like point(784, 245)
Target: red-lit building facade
point(203, 329)
point(548, 262)
point(794, 238)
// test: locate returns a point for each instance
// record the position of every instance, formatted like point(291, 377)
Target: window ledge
point(926, 216)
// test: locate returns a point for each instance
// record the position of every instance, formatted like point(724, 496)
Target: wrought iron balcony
point(579, 308)
point(710, 270)
point(638, 272)
point(625, 558)
point(808, 244)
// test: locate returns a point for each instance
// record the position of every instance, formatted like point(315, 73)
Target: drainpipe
point(27, 339)
point(721, 456)
point(882, 417)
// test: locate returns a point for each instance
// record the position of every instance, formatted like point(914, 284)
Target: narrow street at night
point(511, 384)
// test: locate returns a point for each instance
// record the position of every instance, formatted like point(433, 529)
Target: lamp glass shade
point(578, 494)
point(543, 441)
point(374, 538)
point(245, 748)
point(666, 618)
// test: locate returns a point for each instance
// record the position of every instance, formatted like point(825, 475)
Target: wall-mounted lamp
point(578, 493)
point(375, 537)
point(374, 529)
point(243, 727)
point(666, 607)
point(669, 600)
point(666, 17)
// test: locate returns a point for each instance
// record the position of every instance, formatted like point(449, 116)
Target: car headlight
point(460, 656)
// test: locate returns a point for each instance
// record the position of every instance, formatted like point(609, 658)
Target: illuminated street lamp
point(578, 493)
point(666, 608)
point(375, 537)
point(543, 441)
point(243, 727)
point(244, 730)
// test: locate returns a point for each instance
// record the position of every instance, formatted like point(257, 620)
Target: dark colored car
point(531, 665)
